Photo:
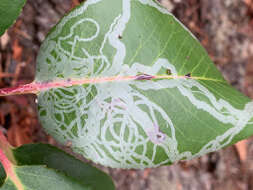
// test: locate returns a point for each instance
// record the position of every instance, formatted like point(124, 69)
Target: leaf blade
point(136, 124)
point(41, 178)
point(44, 154)
point(9, 11)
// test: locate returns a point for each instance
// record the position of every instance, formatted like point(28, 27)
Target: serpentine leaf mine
point(131, 87)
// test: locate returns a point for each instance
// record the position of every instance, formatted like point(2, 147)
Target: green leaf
point(8, 185)
point(2, 175)
point(9, 12)
point(42, 178)
point(130, 87)
point(52, 157)
point(42, 166)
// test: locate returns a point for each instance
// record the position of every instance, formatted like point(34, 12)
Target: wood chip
point(241, 148)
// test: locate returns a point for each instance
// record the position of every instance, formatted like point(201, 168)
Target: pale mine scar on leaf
point(183, 84)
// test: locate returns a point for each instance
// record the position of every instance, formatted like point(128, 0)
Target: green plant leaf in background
point(52, 157)
point(44, 167)
point(150, 95)
point(9, 12)
point(41, 178)
point(2, 174)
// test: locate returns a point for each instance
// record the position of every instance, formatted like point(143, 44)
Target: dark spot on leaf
point(168, 71)
point(120, 37)
point(144, 77)
point(159, 136)
point(188, 75)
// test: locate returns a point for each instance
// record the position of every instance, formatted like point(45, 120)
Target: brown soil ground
point(224, 27)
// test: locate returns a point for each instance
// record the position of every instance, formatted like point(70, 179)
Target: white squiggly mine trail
point(118, 124)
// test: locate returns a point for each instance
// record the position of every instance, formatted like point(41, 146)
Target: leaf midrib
point(36, 86)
